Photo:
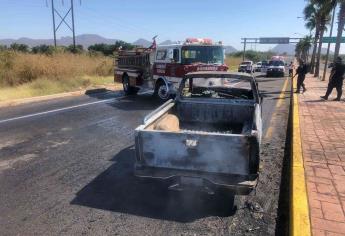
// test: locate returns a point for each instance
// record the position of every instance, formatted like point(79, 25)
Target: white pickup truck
point(214, 136)
point(246, 66)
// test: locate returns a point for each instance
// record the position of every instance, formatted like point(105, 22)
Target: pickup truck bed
point(216, 145)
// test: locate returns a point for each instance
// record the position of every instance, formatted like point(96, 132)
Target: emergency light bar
point(205, 41)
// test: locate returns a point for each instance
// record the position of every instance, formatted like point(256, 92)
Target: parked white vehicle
point(258, 66)
point(246, 66)
point(276, 68)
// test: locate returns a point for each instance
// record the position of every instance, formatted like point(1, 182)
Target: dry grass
point(42, 87)
point(27, 75)
point(233, 62)
point(19, 68)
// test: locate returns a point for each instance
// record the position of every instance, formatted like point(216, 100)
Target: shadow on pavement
point(137, 102)
point(118, 190)
point(104, 93)
point(316, 101)
point(264, 80)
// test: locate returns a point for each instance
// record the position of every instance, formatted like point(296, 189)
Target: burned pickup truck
point(208, 137)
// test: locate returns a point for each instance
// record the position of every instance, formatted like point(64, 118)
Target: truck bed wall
point(217, 117)
point(201, 151)
point(212, 153)
point(215, 112)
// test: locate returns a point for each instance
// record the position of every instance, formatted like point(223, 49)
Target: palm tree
point(312, 18)
point(303, 47)
point(324, 9)
point(341, 23)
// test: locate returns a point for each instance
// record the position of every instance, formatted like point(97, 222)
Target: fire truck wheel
point(126, 86)
point(162, 91)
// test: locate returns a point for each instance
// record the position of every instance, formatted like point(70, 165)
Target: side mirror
point(261, 98)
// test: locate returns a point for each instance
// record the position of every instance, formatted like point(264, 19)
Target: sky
point(222, 20)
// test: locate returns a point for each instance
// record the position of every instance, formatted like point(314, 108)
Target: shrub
point(19, 47)
point(108, 49)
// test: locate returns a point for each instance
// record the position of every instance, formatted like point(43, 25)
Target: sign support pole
point(244, 49)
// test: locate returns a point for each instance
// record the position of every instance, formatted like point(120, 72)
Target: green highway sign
point(332, 39)
point(274, 40)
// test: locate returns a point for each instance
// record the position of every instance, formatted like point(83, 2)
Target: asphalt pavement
point(66, 168)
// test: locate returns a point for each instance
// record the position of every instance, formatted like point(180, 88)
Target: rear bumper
point(275, 73)
point(239, 184)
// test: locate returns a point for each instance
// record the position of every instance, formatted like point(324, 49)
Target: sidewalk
point(322, 126)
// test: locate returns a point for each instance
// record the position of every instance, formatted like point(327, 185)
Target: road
point(66, 168)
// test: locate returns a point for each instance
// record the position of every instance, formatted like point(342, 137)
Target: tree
point(254, 55)
point(108, 49)
point(303, 47)
point(324, 8)
point(3, 47)
point(341, 23)
point(44, 49)
point(19, 47)
point(78, 48)
point(312, 17)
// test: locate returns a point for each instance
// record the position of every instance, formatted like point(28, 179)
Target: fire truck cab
point(162, 68)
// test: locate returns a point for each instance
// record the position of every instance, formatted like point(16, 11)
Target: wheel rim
point(163, 92)
point(125, 84)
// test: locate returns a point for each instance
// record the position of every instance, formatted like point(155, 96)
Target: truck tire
point(161, 91)
point(129, 90)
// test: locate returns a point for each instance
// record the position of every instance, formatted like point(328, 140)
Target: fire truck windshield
point(202, 54)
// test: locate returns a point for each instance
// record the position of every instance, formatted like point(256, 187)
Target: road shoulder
point(20, 101)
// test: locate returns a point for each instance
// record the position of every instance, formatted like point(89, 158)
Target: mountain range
point(89, 39)
point(290, 49)
point(86, 40)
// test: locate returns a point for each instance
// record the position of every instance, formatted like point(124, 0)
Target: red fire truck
point(161, 68)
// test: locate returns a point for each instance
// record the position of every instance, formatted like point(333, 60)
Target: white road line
point(65, 108)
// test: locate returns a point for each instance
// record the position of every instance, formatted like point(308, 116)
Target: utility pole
point(244, 49)
point(63, 20)
point(73, 24)
point(329, 45)
point(54, 23)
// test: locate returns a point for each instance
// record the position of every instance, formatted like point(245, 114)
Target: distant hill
point(290, 49)
point(230, 49)
point(142, 42)
point(167, 42)
point(89, 39)
point(84, 39)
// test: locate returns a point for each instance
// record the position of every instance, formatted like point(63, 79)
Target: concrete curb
point(20, 101)
point(299, 207)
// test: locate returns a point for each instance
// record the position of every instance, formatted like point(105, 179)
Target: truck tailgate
point(215, 153)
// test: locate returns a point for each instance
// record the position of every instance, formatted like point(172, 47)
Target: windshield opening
point(276, 63)
point(202, 54)
point(219, 88)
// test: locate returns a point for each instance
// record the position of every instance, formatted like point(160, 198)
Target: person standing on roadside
point(301, 71)
point(291, 67)
point(336, 79)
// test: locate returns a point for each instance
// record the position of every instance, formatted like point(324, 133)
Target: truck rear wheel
point(161, 91)
point(127, 88)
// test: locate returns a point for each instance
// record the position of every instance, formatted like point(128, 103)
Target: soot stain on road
point(117, 189)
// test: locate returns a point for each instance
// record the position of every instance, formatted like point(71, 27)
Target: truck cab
point(162, 69)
